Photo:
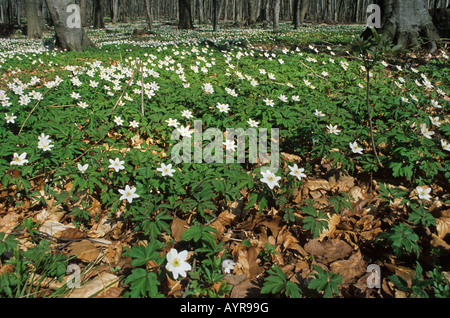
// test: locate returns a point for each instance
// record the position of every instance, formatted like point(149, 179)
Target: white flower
point(83, 168)
point(176, 263)
point(252, 123)
point(424, 193)
point(283, 98)
point(435, 121)
point(297, 172)
point(44, 142)
point(187, 114)
point(319, 113)
point(19, 160)
point(184, 131)
point(128, 194)
point(116, 164)
point(10, 118)
point(83, 105)
point(172, 122)
point(270, 178)
point(223, 108)
point(445, 145)
point(356, 148)
point(228, 266)
point(435, 104)
point(207, 87)
point(269, 102)
point(425, 131)
point(134, 124)
point(166, 170)
point(118, 120)
point(333, 129)
point(230, 145)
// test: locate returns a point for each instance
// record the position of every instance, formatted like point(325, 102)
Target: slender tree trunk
point(83, 12)
point(123, 11)
point(201, 12)
point(304, 6)
point(115, 9)
point(34, 19)
point(149, 12)
point(215, 15)
point(251, 12)
point(276, 15)
point(266, 13)
point(184, 12)
point(98, 15)
point(70, 36)
point(296, 14)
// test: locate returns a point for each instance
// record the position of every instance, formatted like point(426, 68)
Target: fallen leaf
point(353, 267)
point(9, 222)
point(443, 226)
point(84, 250)
point(178, 227)
point(99, 284)
point(70, 233)
point(246, 289)
point(329, 250)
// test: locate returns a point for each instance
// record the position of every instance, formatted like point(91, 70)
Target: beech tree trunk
point(276, 15)
point(185, 17)
point(35, 23)
point(404, 21)
point(98, 15)
point(68, 37)
point(215, 15)
point(149, 12)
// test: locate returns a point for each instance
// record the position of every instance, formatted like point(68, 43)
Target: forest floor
point(79, 129)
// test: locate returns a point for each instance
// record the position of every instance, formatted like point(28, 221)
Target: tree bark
point(149, 13)
point(184, 12)
point(276, 15)
point(34, 19)
point(304, 6)
point(83, 12)
point(98, 15)
point(215, 15)
point(68, 37)
point(404, 21)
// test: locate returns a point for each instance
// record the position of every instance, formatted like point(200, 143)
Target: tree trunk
point(98, 15)
point(149, 13)
point(115, 9)
point(276, 15)
point(70, 35)
point(215, 15)
point(184, 12)
point(265, 13)
point(404, 21)
point(304, 6)
point(123, 11)
point(83, 12)
point(34, 19)
point(251, 12)
point(201, 12)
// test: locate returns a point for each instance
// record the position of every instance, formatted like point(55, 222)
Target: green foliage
point(278, 283)
point(402, 239)
point(315, 221)
point(144, 280)
point(326, 282)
